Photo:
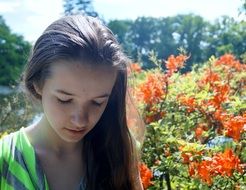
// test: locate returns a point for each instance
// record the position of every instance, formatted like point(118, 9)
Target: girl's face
point(75, 96)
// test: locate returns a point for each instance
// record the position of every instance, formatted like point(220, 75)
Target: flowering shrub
point(146, 175)
point(196, 123)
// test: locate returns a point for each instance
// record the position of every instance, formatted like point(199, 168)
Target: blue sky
point(30, 17)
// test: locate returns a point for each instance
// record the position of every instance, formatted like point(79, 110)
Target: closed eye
point(70, 100)
point(97, 103)
point(64, 101)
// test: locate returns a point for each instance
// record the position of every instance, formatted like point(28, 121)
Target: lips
point(76, 130)
point(73, 131)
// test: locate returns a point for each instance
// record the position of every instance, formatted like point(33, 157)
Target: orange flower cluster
point(198, 132)
point(221, 95)
point(152, 90)
point(174, 63)
point(220, 164)
point(202, 169)
point(225, 163)
point(210, 78)
point(146, 175)
point(229, 61)
point(135, 67)
point(221, 91)
point(235, 126)
point(189, 102)
point(231, 125)
point(221, 115)
point(186, 157)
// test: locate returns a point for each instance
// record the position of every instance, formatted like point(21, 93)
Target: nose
point(79, 119)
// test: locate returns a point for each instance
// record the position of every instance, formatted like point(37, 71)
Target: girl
point(78, 73)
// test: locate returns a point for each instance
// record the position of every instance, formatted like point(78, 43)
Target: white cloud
point(31, 17)
point(6, 6)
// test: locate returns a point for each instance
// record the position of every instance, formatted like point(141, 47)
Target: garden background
point(188, 81)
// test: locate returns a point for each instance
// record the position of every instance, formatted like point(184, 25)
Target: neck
point(45, 138)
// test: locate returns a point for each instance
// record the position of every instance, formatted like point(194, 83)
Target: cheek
point(54, 112)
point(95, 115)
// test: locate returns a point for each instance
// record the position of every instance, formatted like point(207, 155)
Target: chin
point(72, 140)
point(73, 136)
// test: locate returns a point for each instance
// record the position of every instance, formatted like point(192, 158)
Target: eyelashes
point(70, 100)
point(97, 104)
point(64, 101)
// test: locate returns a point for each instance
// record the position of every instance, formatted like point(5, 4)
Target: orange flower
point(192, 168)
point(174, 63)
point(189, 102)
point(186, 157)
point(221, 115)
point(230, 61)
point(203, 170)
point(221, 94)
point(220, 164)
point(210, 78)
point(135, 67)
point(235, 126)
point(198, 132)
point(146, 175)
point(152, 90)
point(225, 163)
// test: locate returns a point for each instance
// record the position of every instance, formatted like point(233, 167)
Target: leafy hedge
point(196, 124)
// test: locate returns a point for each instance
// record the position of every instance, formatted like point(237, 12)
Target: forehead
point(82, 78)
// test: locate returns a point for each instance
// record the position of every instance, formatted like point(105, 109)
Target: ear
point(37, 89)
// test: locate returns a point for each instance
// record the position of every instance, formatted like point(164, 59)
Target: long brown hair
point(108, 149)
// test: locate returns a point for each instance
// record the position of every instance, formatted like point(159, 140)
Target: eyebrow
point(70, 94)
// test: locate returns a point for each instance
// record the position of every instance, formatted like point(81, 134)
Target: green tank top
point(19, 166)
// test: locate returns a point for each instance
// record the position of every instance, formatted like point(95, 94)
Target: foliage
point(226, 36)
point(120, 29)
point(13, 54)
point(16, 112)
point(165, 35)
point(196, 123)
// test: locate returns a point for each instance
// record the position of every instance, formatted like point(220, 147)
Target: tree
point(144, 35)
point(165, 36)
point(191, 32)
point(162, 35)
point(121, 30)
point(226, 36)
point(14, 51)
point(79, 6)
